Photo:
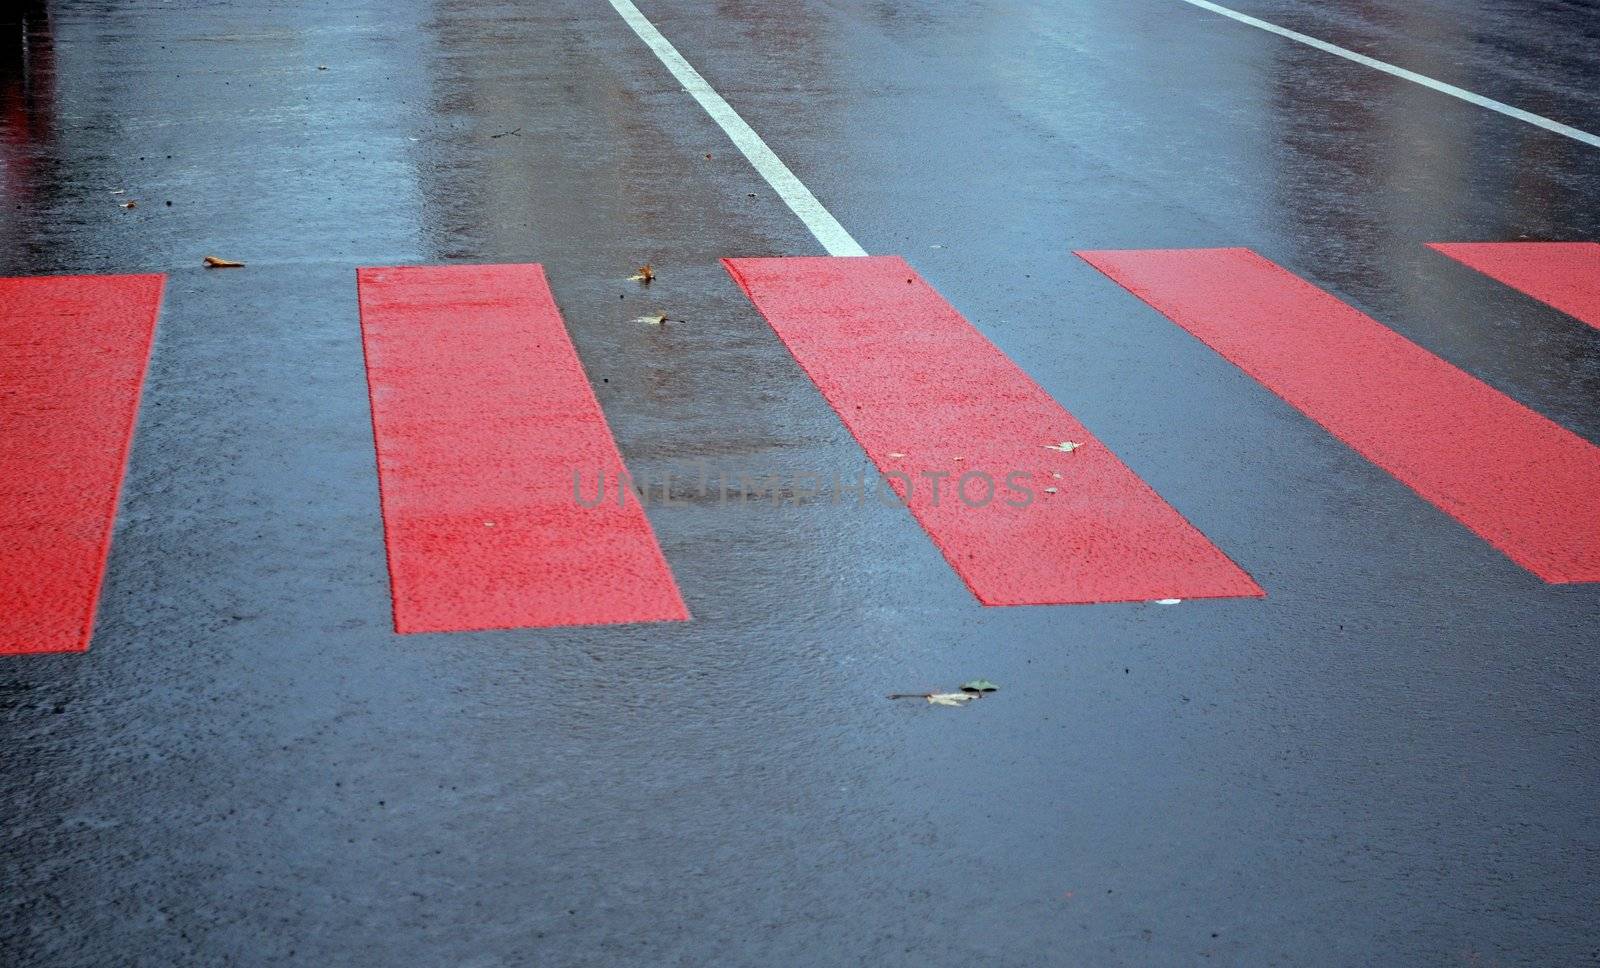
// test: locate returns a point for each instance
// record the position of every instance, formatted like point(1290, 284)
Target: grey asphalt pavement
point(1388, 760)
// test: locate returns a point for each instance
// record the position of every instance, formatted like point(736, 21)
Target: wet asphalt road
point(1388, 760)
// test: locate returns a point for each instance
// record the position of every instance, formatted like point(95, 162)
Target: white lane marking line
point(1400, 72)
point(835, 240)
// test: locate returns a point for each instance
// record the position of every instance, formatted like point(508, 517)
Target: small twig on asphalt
point(515, 131)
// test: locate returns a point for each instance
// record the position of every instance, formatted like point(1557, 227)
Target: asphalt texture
point(1389, 759)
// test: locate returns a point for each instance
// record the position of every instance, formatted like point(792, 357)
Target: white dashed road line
point(835, 240)
point(1556, 127)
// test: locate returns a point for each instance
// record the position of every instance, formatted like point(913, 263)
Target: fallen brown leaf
point(645, 275)
point(212, 262)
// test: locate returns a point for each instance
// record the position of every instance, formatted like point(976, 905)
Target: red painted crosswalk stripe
point(73, 355)
point(1525, 484)
point(482, 415)
point(1565, 275)
point(925, 392)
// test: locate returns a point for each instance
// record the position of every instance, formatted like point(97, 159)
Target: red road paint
point(922, 390)
point(1565, 275)
point(73, 354)
point(482, 415)
point(1526, 485)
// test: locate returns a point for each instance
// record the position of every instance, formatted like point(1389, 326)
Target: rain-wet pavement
point(1390, 759)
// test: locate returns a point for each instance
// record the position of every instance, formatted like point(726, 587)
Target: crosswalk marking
point(926, 394)
point(1564, 275)
point(483, 418)
point(73, 354)
point(1523, 483)
point(482, 415)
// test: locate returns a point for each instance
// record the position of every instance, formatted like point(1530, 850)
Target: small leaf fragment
point(130, 203)
point(979, 686)
point(212, 262)
point(645, 275)
point(654, 319)
point(1066, 446)
point(949, 698)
